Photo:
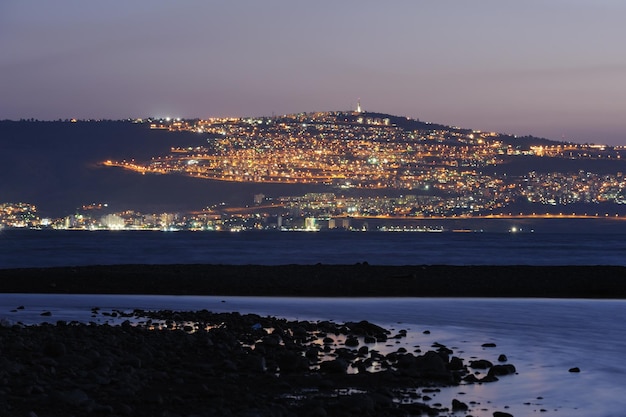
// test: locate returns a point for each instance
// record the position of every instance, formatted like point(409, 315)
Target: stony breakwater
point(357, 280)
point(168, 363)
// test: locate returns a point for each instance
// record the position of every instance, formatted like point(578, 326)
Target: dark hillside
point(55, 166)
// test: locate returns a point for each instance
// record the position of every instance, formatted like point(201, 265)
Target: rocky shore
point(168, 363)
point(359, 280)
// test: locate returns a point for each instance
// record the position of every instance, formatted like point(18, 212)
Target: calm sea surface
point(28, 248)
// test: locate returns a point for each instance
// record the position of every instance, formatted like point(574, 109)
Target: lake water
point(28, 248)
point(542, 338)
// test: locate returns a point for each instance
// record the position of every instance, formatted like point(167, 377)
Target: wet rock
point(328, 341)
point(488, 345)
point(352, 342)
point(500, 370)
point(123, 409)
point(489, 378)
point(574, 370)
point(54, 349)
point(480, 364)
point(313, 353)
point(406, 360)
point(300, 334)
point(471, 378)
point(362, 404)
point(254, 363)
point(336, 366)
point(365, 328)
point(316, 411)
point(456, 364)
point(290, 362)
point(431, 361)
point(502, 358)
point(459, 405)
point(501, 414)
point(74, 397)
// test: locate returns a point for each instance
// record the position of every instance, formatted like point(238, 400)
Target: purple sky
point(552, 68)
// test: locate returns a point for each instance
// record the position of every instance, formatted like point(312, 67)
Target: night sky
point(551, 68)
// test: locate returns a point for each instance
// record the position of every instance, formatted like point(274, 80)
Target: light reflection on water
point(542, 338)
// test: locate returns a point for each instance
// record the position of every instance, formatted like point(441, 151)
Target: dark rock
point(431, 361)
point(300, 334)
point(254, 363)
point(228, 366)
point(271, 341)
point(352, 342)
point(471, 378)
point(362, 404)
point(502, 358)
point(74, 397)
point(574, 370)
point(46, 314)
point(499, 370)
point(337, 366)
point(480, 364)
point(489, 378)
point(290, 362)
point(488, 345)
point(316, 411)
point(312, 353)
point(459, 406)
point(405, 361)
point(455, 364)
point(54, 349)
point(501, 414)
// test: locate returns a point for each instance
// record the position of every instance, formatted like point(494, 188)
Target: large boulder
point(336, 366)
point(431, 361)
point(291, 362)
point(499, 370)
point(480, 364)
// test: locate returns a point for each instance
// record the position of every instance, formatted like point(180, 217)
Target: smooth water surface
point(28, 248)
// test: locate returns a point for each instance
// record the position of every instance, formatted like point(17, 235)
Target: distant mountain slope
point(55, 166)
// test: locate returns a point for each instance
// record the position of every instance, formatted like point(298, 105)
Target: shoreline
point(323, 280)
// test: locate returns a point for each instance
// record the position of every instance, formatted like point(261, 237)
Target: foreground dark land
point(359, 280)
point(225, 364)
